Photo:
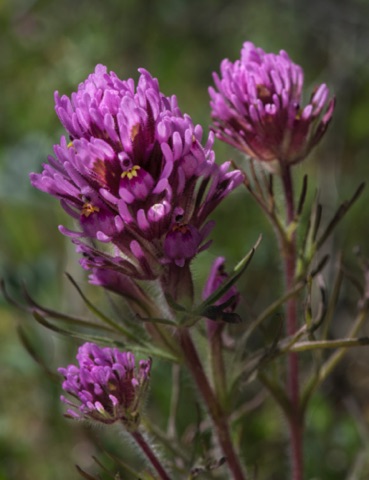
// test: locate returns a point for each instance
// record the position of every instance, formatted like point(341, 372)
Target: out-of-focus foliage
point(49, 45)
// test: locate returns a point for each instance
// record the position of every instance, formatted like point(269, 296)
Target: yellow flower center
point(112, 387)
point(131, 173)
point(88, 209)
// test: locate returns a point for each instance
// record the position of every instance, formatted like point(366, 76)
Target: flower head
point(134, 174)
point(107, 385)
point(258, 109)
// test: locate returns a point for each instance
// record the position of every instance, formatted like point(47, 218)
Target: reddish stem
point(155, 462)
point(289, 252)
point(216, 412)
point(217, 363)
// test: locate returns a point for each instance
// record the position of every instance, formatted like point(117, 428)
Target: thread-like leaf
point(79, 335)
point(112, 323)
point(84, 474)
point(302, 195)
point(239, 269)
point(341, 212)
point(34, 352)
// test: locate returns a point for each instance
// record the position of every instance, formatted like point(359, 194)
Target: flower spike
point(135, 175)
point(107, 385)
point(257, 107)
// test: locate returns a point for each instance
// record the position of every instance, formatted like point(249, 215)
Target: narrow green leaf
point(147, 350)
point(84, 474)
point(117, 326)
point(70, 319)
point(323, 262)
point(239, 269)
point(155, 352)
point(302, 195)
point(271, 310)
point(333, 301)
point(311, 231)
point(317, 220)
point(80, 336)
point(8, 298)
point(102, 466)
point(34, 353)
point(341, 212)
point(324, 344)
point(174, 305)
point(163, 321)
point(125, 466)
point(277, 391)
point(141, 348)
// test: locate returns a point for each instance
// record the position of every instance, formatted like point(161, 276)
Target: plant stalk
point(216, 412)
point(329, 365)
point(155, 462)
point(289, 253)
point(217, 364)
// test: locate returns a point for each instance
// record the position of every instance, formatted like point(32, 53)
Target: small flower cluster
point(107, 385)
point(134, 175)
point(258, 110)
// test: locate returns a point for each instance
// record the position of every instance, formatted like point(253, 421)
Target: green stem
point(174, 401)
point(216, 412)
point(166, 338)
point(333, 360)
point(270, 310)
point(343, 343)
point(217, 365)
point(170, 444)
point(276, 391)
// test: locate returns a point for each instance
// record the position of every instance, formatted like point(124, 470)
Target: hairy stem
point(155, 462)
point(216, 412)
point(217, 365)
point(172, 420)
point(289, 254)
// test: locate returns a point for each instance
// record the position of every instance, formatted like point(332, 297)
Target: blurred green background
point(48, 45)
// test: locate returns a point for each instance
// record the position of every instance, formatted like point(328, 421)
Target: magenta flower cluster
point(134, 174)
point(257, 107)
point(106, 384)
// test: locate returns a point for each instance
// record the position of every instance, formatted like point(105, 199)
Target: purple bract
point(135, 175)
point(107, 385)
point(217, 277)
point(257, 107)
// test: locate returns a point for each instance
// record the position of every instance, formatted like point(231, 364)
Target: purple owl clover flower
point(135, 175)
point(108, 387)
point(257, 107)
